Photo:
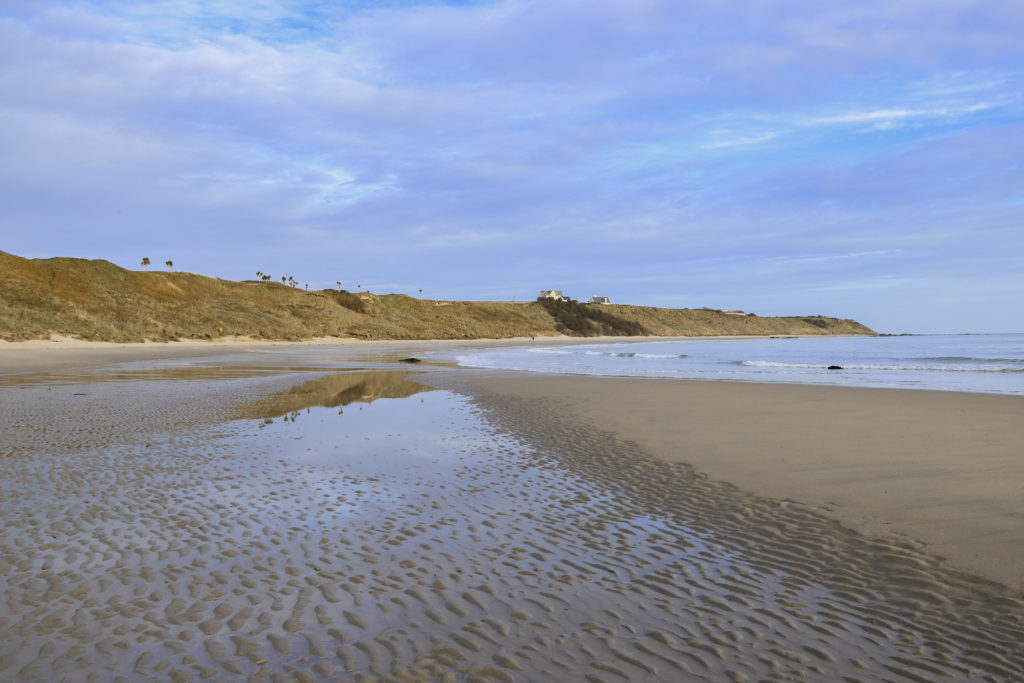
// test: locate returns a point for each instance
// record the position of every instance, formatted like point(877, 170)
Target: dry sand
point(478, 533)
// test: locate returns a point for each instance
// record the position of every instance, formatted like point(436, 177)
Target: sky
point(860, 159)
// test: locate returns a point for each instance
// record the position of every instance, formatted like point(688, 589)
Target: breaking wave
point(652, 356)
point(898, 367)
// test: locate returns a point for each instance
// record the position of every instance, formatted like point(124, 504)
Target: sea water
point(987, 363)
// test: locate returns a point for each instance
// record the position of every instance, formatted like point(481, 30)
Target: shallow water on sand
point(366, 526)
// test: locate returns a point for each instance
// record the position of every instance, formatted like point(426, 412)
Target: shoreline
point(62, 353)
point(58, 341)
point(938, 469)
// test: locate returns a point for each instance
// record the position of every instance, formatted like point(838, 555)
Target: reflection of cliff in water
point(335, 391)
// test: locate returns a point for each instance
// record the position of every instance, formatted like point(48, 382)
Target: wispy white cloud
point(895, 115)
point(824, 258)
point(463, 239)
point(723, 139)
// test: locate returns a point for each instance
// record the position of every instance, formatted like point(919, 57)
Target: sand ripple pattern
point(498, 545)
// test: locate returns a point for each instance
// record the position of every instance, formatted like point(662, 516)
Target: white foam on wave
point(633, 354)
point(879, 366)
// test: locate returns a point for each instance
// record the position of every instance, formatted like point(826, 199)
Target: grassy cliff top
point(98, 300)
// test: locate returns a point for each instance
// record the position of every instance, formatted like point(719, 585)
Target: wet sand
point(942, 468)
point(338, 522)
point(60, 353)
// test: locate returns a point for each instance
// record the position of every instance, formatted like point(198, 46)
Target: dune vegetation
point(98, 300)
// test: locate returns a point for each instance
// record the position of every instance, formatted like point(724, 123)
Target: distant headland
point(100, 301)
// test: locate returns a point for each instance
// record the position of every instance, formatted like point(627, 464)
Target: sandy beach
point(941, 468)
point(67, 353)
point(322, 512)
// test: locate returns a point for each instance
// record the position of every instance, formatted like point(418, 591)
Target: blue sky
point(857, 159)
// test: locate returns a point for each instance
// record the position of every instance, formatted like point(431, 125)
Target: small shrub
point(576, 319)
point(347, 299)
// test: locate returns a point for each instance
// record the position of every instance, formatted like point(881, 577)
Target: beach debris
point(410, 360)
point(835, 367)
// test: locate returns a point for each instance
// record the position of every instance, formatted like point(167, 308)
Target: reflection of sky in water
point(435, 447)
point(434, 455)
point(431, 451)
point(496, 507)
point(383, 436)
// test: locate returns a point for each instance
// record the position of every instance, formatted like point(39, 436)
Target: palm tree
point(283, 279)
point(339, 285)
point(145, 262)
point(169, 263)
point(259, 274)
point(266, 278)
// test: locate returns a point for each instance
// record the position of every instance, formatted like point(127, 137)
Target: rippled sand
point(448, 534)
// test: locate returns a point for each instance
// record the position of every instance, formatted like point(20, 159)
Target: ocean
point(986, 363)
